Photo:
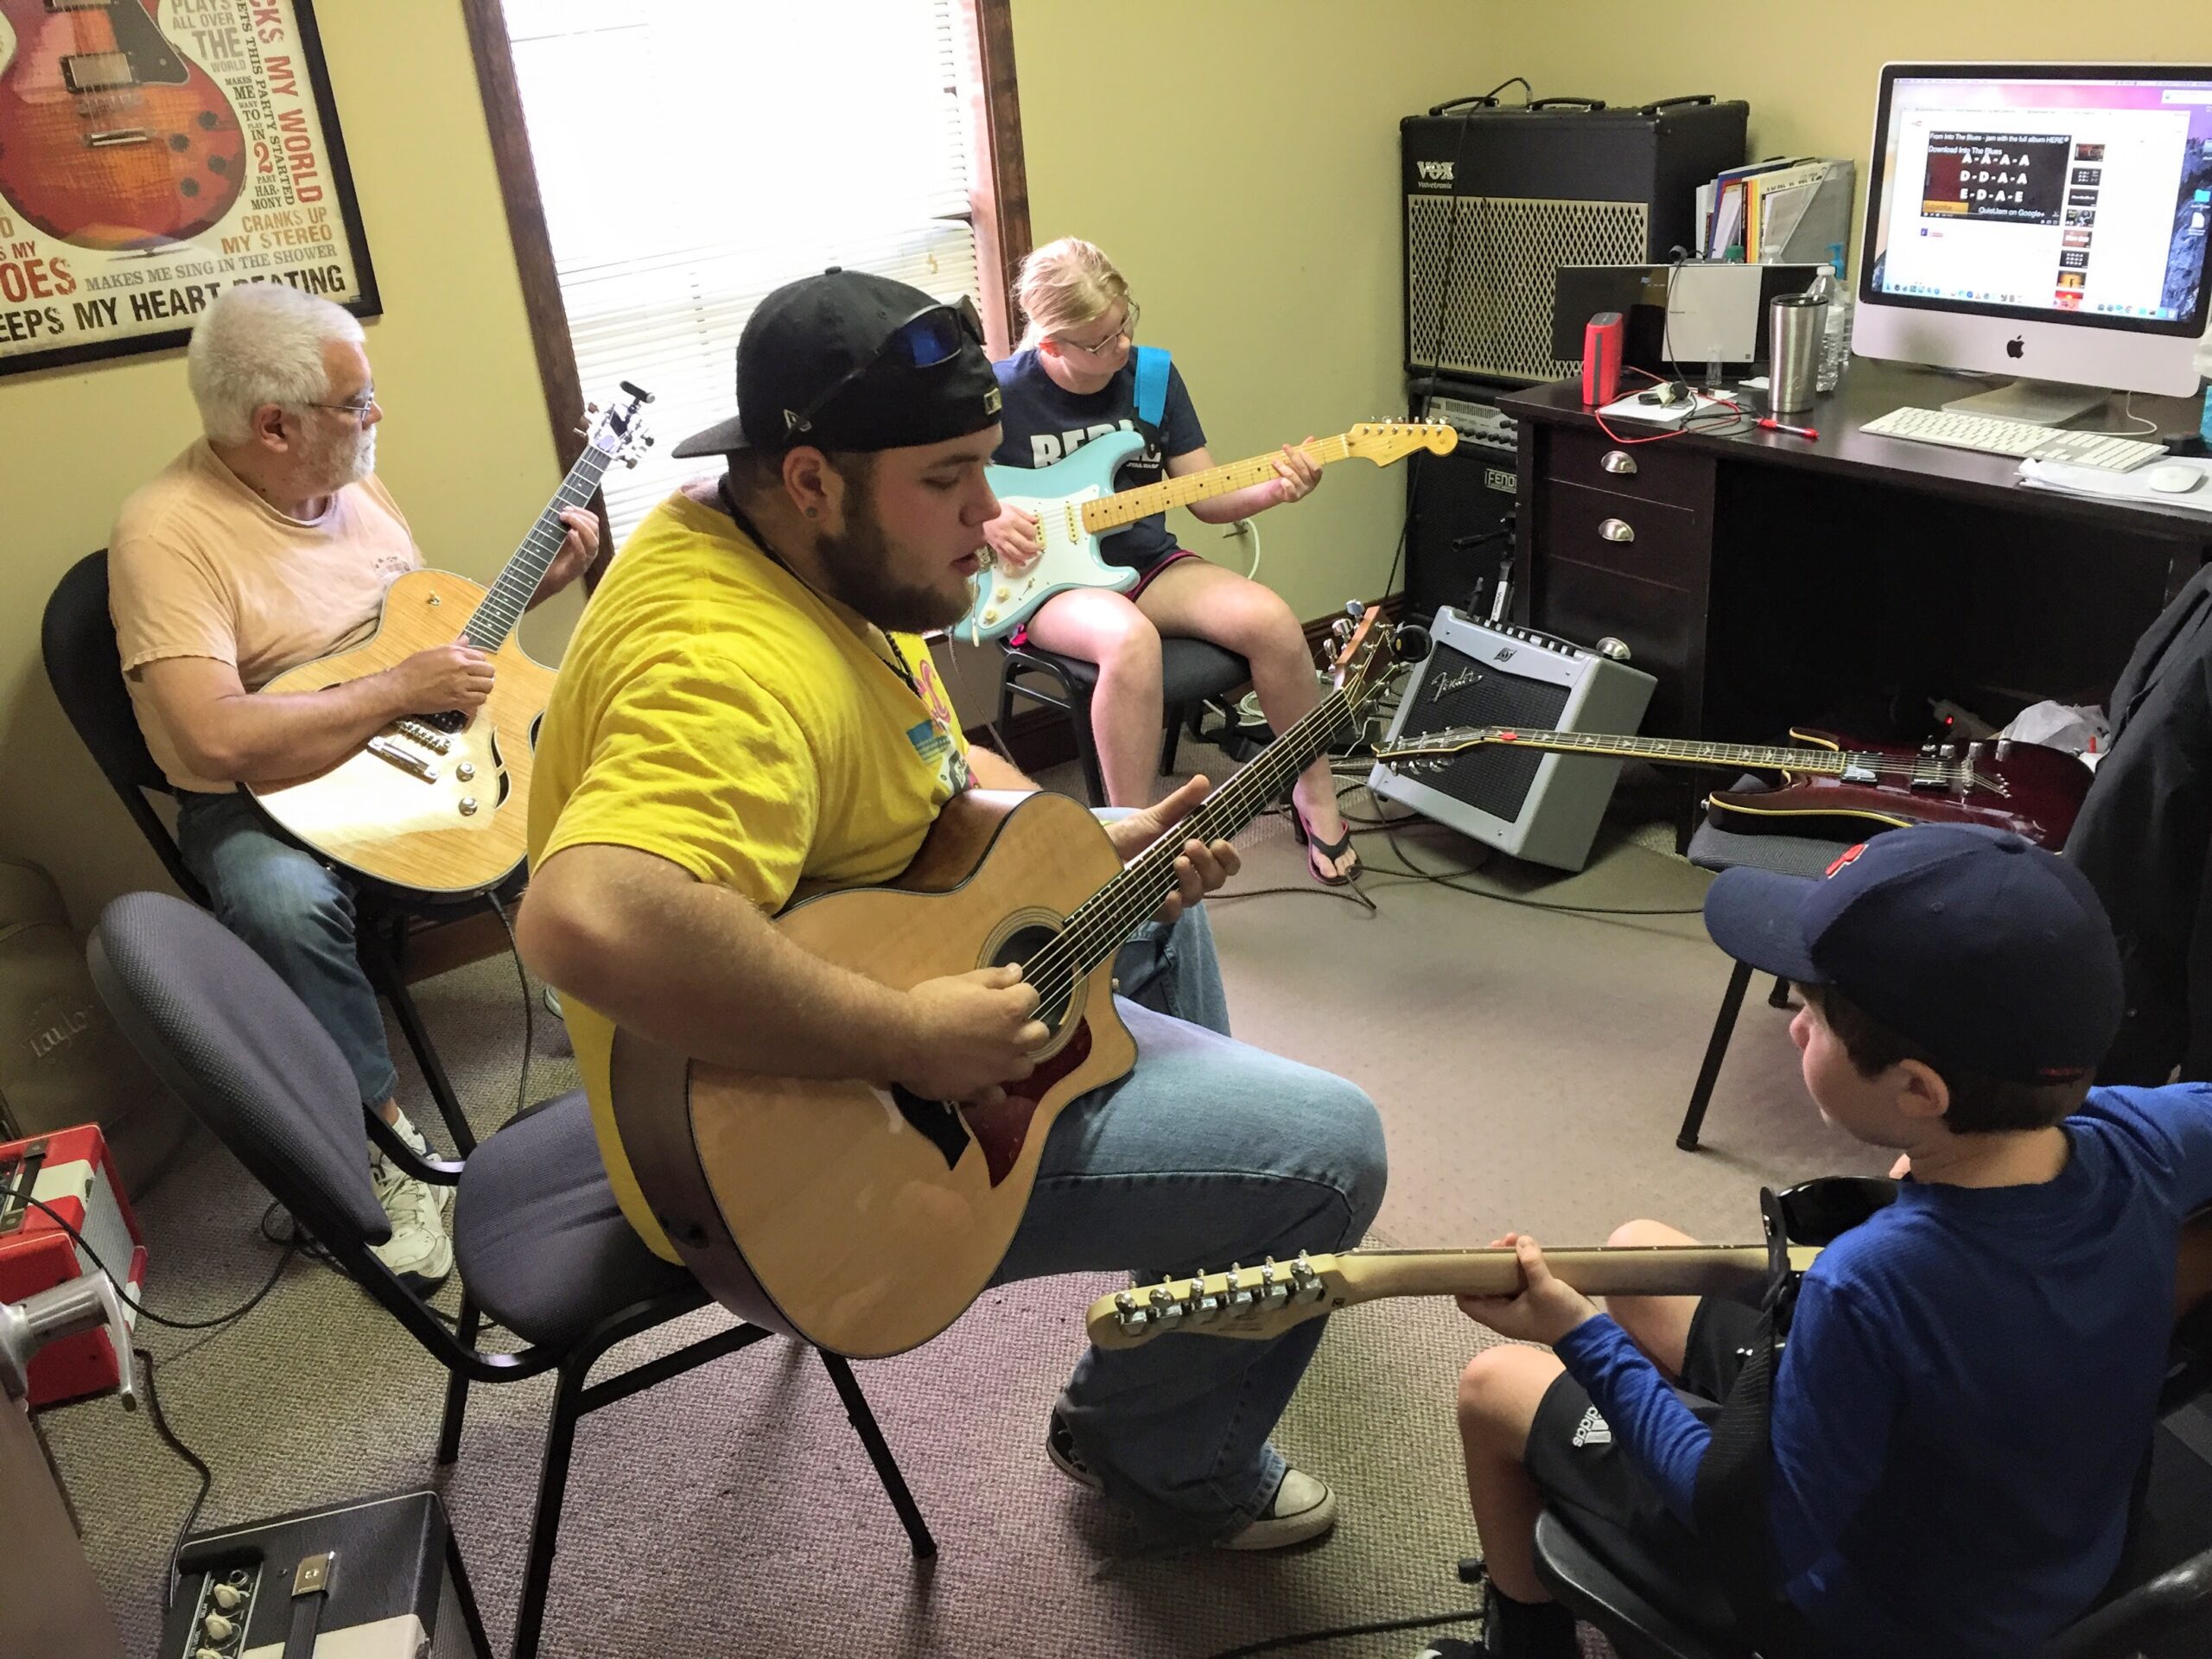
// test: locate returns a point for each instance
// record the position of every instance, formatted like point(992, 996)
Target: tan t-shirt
point(200, 566)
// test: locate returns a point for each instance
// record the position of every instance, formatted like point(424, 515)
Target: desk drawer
point(1620, 532)
point(1662, 472)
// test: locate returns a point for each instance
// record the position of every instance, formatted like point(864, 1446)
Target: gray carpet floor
point(1531, 1063)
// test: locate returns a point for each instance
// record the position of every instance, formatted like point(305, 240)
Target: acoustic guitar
point(1075, 504)
point(438, 803)
point(865, 1218)
point(109, 137)
point(1853, 788)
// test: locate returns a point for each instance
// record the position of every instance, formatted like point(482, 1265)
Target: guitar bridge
point(405, 758)
point(416, 731)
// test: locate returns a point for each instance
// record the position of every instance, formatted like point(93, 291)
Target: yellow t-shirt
point(715, 711)
point(200, 566)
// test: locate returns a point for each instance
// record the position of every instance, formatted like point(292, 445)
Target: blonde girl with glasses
point(1073, 379)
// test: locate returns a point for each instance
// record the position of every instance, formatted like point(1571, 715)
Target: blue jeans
point(1208, 1153)
point(298, 915)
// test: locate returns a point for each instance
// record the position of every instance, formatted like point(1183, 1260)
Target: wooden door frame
point(999, 203)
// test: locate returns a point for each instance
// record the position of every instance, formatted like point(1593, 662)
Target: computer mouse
point(2173, 480)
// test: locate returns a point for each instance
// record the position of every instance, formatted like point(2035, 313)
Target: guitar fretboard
point(509, 596)
point(1681, 751)
point(1126, 508)
point(1096, 927)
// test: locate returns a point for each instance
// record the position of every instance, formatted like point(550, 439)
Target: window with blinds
point(693, 155)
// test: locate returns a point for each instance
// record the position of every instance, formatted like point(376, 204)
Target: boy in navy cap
point(1967, 1391)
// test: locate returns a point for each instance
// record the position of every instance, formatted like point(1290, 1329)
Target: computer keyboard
point(1992, 435)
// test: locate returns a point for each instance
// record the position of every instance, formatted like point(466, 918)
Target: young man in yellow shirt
point(746, 705)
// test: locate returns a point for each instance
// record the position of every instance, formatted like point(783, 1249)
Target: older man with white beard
point(269, 543)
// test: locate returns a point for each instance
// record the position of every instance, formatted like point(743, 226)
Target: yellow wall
point(1809, 72)
point(1238, 157)
point(1238, 160)
point(465, 446)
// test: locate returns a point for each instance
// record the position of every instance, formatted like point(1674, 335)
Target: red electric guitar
point(111, 137)
point(1834, 785)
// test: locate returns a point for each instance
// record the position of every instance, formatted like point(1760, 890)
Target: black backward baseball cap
point(1987, 951)
point(832, 362)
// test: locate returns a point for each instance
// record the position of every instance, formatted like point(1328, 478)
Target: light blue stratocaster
point(1074, 505)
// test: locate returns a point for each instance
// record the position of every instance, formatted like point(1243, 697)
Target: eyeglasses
point(931, 337)
point(358, 409)
point(1128, 331)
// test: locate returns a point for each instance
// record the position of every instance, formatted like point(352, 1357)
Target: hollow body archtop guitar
point(438, 803)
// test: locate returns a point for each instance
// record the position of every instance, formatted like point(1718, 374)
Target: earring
point(810, 512)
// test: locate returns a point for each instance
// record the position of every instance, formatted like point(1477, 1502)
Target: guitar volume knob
point(465, 771)
point(468, 806)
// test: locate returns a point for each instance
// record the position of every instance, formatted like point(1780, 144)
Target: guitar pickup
point(405, 758)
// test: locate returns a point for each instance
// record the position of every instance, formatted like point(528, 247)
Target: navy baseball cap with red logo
point(1979, 946)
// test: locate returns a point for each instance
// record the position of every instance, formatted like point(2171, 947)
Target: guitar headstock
point(1451, 741)
point(1385, 441)
point(1367, 652)
point(1258, 1303)
point(619, 430)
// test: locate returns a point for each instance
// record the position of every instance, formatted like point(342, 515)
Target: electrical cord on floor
point(528, 1008)
point(170, 1438)
point(136, 1306)
point(1337, 1633)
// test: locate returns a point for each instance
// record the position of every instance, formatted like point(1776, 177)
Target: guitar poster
point(154, 152)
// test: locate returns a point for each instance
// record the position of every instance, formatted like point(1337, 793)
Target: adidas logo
point(1592, 1431)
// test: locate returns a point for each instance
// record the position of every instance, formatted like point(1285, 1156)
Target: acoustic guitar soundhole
point(1026, 945)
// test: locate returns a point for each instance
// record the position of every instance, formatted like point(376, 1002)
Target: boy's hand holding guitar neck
point(1546, 1308)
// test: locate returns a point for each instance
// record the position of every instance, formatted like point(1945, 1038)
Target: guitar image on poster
point(109, 137)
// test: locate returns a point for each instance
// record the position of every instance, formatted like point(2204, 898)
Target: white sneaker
point(418, 1252)
point(420, 1145)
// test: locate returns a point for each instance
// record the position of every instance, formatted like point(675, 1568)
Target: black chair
point(1713, 848)
point(1192, 671)
point(85, 668)
point(542, 1248)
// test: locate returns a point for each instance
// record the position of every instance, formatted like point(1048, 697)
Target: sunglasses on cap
point(934, 335)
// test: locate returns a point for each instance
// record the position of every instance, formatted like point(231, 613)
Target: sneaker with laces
point(419, 1145)
point(1303, 1507)
point(418, 1251)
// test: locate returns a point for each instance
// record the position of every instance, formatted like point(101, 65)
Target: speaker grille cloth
point(1494, 779)
point(1505, 259)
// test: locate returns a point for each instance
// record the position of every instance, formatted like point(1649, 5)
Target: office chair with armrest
point(85, 668)
point(541, 1245)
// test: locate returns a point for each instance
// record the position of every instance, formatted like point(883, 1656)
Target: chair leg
point(1779, 997)
point(878, 1451)
point(383, 970)
point(1731, 1003)
point(1172, 741)
point(552, 1488)
point(465, 1329)
point(1086, 744)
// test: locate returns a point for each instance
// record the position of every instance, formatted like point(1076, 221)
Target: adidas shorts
point(1590, 1482)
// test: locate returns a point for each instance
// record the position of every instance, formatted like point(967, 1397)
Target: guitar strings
point(507, 598)
point(1097, 925)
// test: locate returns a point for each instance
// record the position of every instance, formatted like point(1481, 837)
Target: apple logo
point(2016, 347)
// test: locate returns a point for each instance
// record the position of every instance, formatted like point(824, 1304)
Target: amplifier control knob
point(228, 1595)
point(218, 1629)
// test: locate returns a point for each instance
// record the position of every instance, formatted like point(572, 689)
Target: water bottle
point(1835, 343)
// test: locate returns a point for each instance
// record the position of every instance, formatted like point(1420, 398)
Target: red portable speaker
point(1602, 339)
point(73, 1171)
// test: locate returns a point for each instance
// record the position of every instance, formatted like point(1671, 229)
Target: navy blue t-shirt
point(1967, 1391)
point(1043, 422)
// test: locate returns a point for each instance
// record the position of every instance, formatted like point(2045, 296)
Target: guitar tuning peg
point(591, 409)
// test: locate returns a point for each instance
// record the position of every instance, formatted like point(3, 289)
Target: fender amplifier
point(1544, 808)
point(378, 1578)
point(1498, 199)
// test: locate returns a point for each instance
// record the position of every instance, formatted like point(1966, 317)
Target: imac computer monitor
point(2047, 221)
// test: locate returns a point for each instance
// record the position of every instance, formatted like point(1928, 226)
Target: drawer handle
point(1620, 462)
point(1618, 530)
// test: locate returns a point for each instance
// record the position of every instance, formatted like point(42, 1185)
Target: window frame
point(998, 206)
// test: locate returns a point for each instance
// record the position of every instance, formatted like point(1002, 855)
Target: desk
point(1773, 582)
